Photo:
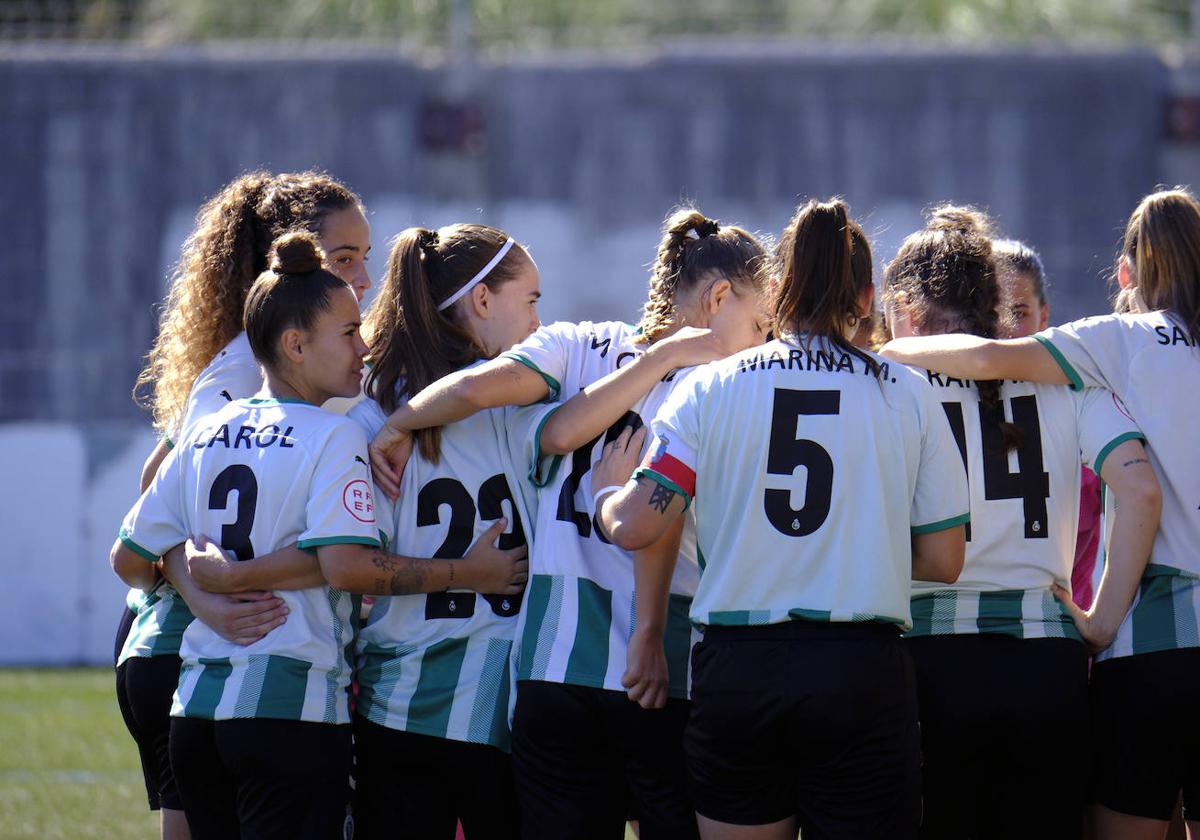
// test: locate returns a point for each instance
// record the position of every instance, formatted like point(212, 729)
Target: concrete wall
point(105, 155)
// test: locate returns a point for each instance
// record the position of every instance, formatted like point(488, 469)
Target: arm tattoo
point(1136, 461)
point(661, 498)
point(407, 573)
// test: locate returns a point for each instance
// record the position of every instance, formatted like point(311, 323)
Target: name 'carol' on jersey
point(258, 476)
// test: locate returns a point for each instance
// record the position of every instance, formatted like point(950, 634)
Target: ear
point(481, 301)
point(716, 295)
point(1124, 273)
point(291, 342)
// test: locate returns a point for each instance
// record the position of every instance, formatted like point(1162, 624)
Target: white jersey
point(579, 611)
point(812, 476)
point(1024, 505)
point(160, 614)
point(438, 664)
point(258, 476)
point(1153, 366)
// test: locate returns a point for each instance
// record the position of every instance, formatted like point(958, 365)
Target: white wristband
point(612, 488)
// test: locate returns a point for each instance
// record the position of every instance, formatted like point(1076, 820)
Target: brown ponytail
point(945, 277)
point(824, 267)
point(695, 248)
point(1162, 242)
point(412, 342)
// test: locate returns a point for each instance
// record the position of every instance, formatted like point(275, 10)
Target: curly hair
point(220, 260)
point(692, 247)
point(945, 277)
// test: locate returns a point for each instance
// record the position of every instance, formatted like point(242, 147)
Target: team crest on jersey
point(660, 448)
point(359, 501)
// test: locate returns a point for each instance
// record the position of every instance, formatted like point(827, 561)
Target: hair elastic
point(483, 272)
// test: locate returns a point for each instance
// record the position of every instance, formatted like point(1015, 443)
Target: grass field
point(68, 768)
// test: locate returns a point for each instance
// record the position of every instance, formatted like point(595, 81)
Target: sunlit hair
point(1162, 243)
point(221, 258)
point(695, 249)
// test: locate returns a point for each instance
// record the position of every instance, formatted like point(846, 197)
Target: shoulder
point(368, 415)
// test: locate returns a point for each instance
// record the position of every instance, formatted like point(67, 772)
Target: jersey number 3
point(787, 452)
point(236, 537)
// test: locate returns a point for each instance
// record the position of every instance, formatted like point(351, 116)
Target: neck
point(282, 386)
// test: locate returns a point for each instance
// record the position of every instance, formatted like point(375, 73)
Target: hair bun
point(955, 219)
point(296, 253)
point(706, 227)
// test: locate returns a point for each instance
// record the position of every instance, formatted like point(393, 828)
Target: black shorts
point(1004, 735)
point(586, 759)
point(807, 720)
point(145, 685)
point(419, 787)
point(123, 628)
point(258, 778)
point(1145, 735)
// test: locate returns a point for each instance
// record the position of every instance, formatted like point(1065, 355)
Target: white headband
point(483, 272)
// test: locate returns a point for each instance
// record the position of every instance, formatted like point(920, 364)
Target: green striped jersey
point(1024, 505)
point(1153, 365)
point(438, 664)
point(257, 476)
point(810, 475)
point(232, 374)
point(579, 611)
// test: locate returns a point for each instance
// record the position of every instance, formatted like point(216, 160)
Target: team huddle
point(781, 558)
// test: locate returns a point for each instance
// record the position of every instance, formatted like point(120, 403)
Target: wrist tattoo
point(450, 583)
point(661, 498)
point(1136, 461)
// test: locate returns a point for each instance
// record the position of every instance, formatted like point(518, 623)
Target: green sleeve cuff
point(310, 544)
point(1113, 444)
point(943, 525)
point(1072, 375)
point(536, 476)
point(658, 477)
point(551, 382)
point(127, 541)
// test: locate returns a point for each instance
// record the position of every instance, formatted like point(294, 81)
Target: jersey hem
point(1075, 380)
point(942, 525)
point(551, 382)
point(658, 477)
point(1113, 444)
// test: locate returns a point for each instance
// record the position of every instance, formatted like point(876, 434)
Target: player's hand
point(646, 676)
point(389, 453)
point(619, 459)
point(209, 566)
point(242, 619)
point(692, 346)
point(493, 571)
point(1095, 635)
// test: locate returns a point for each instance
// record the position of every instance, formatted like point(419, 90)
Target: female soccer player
point(1146, 681)
point(200, 362)
point(1001, 669)
point(431, 724)
point(260, 741)
point(584, 755)
point(804, 710)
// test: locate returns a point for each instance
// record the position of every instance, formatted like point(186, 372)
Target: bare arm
point(939, 556)
point(134, 569)
point(242, 619)
point(286, 568)
point(588, 413)
point(647, 677)
point(374, 571)
point(1128, 474)
point(637, 515)
point(152, 462)
point(972, 357)
point(457, 396)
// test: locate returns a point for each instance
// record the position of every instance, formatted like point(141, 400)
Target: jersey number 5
point(787, 452)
